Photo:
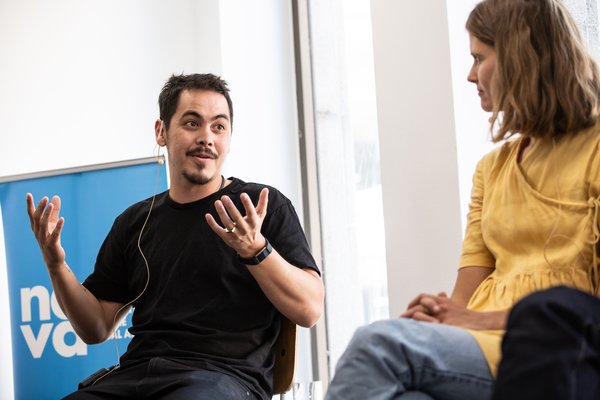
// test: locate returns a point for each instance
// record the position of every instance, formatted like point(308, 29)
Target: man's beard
point(197, 178)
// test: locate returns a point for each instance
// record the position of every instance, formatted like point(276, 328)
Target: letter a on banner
point(49, 359)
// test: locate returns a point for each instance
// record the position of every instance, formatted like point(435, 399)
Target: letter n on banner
point(48, 358)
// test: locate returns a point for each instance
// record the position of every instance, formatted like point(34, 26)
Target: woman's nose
point(472, 76)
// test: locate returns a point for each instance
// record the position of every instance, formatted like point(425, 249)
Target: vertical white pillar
point(418, 147)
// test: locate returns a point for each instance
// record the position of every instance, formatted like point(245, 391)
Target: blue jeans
point(406, 359)
point(551, 349)
point(164, 379)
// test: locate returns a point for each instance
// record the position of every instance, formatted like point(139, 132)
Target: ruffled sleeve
point(474, 251)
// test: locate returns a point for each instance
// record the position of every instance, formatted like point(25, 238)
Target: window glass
point(353, 242)
point(585, 13)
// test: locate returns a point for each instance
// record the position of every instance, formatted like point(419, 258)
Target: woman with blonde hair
point(534, 214)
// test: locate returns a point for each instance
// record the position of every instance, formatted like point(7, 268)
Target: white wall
point(417, 147)
point(80, 82)
point(80, 79)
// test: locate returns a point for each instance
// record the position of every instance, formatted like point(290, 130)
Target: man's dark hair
point(169, 95)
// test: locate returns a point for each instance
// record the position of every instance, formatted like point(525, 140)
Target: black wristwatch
point(257, 259)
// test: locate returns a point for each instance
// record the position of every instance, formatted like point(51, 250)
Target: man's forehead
point(203, 101)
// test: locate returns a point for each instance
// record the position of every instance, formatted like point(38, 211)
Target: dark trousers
point(551, 349)
point(164, 379)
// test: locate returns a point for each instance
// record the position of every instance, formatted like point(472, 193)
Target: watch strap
point(257, 259)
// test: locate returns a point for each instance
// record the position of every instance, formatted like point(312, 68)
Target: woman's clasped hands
point(442, 309)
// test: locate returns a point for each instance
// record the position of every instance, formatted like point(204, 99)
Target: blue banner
point(48, 358)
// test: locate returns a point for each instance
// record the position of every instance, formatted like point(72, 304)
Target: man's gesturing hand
point(242, 233)
point(47, 227)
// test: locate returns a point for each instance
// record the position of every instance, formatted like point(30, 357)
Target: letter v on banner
point(48, 357)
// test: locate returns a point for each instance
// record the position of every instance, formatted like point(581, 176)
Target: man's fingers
point(253, 216)
point(55, 235)
point(39, 210)
point(232, 212)
point(222, 213)
point(55, 208)
point(214, 225)
point(30, 208)
point(46, 218)
point(263, 201)
point(251, 212)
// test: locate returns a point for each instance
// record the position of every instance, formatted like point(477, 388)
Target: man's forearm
point(81, 307)
point(296, 293)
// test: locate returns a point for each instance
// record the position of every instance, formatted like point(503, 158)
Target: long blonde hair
point(545, 82)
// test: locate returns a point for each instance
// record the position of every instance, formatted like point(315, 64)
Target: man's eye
point(220, 127)
point(192, 124)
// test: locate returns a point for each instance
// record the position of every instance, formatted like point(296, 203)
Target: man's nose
point(205, 136)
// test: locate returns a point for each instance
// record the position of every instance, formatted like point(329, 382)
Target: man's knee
point(556, 306)
point(543, 301)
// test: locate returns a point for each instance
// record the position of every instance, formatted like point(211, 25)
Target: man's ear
point(160, 132)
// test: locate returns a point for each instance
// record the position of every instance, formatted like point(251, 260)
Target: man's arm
point(297, 293)
point(92, 319)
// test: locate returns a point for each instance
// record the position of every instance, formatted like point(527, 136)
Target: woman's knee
point(386, 336)
point(365, 336)
point(374, 337)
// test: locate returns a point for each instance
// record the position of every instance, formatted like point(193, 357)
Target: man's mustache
point(201, 152)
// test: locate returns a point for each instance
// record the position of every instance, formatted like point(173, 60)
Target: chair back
point(285, 357)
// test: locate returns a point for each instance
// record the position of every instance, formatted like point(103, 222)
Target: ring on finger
point(228, 230)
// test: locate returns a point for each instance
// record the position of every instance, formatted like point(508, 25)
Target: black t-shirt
point(202, 306)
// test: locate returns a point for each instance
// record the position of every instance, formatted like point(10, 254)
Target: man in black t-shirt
point(210, 266)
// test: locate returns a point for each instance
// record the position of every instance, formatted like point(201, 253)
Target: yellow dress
point(534, 221)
